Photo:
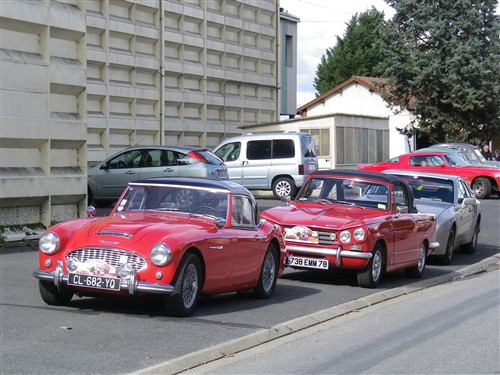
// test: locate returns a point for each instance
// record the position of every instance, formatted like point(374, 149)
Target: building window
point(360, 145)
point(288, 50)
point(321, 138)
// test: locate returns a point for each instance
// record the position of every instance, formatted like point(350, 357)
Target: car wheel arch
point(196, 252)
point(383, 248)
point(491, 180)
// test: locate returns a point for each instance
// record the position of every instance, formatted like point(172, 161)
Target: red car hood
point(133, 226)
point(330, 216)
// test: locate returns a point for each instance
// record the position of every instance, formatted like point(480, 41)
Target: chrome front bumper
point(337, 253)
point(59, 278)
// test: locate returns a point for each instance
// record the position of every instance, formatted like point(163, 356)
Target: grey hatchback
point(107, 179)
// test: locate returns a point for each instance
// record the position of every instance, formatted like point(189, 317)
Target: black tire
point(481, 187)
point(187, 285)
point(470, 247)
point(268, 274)
point(417, 270)
point(284, 186)
point(369, 277)
point(450, 248)
point(53, 296)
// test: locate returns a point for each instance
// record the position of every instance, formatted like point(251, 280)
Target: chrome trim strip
point(132, 288)
point(330, 252)
point(112, 233)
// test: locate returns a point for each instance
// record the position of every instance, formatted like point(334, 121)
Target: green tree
point(357, 53)
point(443, 64)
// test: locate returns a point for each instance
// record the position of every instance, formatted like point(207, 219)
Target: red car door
point(406, 241)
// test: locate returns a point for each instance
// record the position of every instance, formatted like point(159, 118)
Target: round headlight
point(359, 234)
point(345, 236)
point(49, 243)
point(160, 255)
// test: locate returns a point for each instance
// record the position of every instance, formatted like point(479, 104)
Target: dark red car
point(482, 181)
point(355, 220)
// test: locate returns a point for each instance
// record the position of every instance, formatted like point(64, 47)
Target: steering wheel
point(121, 164)
point(208, 210)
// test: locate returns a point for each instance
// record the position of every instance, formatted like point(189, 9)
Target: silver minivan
point(269, 161)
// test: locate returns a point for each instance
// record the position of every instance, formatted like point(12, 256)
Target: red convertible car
point(175, 237)
point(355, 220)
point(482, 181)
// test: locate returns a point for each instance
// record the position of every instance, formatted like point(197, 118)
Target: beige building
point(81, 80)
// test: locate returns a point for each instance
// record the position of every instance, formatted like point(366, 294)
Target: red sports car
point(355, 220)
point(176, 237)
point(483, 181)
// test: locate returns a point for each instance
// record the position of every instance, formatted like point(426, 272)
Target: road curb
point(231, 347)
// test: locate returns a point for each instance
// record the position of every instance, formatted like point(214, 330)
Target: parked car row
point(266, 161)
point(483, 181)
point(181, 237)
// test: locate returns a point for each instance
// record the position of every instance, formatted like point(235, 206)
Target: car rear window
point(308, 147)
point(210, 157)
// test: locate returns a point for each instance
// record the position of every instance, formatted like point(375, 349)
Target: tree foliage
point(443, 62)
point(357, 53)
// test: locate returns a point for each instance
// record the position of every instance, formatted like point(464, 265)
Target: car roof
point(267, 135)
point(172, 148)
point(358, 174)
point(437, 149)
point(196, 182)
point(421, 174)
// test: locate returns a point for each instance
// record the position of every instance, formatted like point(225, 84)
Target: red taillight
point(198, 157)
point(301, 169)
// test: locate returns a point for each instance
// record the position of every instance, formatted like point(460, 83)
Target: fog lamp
point(126, 271)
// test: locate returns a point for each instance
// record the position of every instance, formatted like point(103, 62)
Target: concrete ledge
point(200, 357)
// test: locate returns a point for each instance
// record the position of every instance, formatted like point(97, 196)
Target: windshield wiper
point(348, 204)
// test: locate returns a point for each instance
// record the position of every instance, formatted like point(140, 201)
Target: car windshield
point(430, 188)
point(345, 191)
point(456, 161)
point(175, 198)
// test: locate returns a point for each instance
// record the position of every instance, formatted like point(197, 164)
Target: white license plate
point(97, 282)
point(321, 264)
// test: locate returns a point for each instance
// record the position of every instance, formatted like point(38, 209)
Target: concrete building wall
point(42, 112)
point(81, 80)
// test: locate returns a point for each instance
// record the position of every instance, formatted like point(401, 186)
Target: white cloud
point(321, 21)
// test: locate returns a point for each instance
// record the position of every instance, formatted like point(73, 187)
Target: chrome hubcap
point(376, 265)
point(190, 286)
point(268, 272)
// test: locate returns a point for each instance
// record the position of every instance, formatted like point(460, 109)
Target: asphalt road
point(116, 336)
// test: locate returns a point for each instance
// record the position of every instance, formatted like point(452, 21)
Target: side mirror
point(286, 199)
point(91, 211)
point(401, 210)
point(469, 201)
point(220, 222)
point(105, 166)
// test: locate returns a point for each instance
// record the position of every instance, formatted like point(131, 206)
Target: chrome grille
point(324, 238)
point(112, 257)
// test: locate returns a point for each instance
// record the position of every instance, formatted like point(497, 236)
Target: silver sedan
point(458, 212)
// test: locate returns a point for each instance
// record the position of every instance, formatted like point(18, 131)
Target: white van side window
point(230, 151)
point(283, 149)
point(258, 150)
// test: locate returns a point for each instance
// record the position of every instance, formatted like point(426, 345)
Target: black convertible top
point(382, 177)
